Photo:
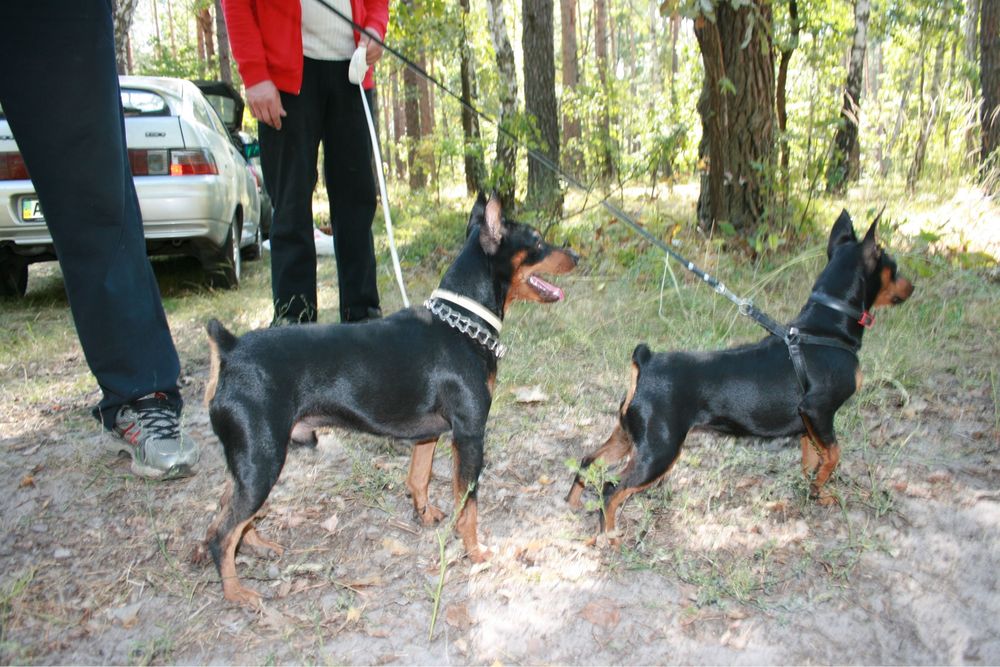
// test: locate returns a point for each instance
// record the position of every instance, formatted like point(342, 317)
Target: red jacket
point(266, 38)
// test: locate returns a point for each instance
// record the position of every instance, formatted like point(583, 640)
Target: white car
point(197, 193)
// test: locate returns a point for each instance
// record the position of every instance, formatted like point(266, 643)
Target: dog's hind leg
point(467, 458)
point(254, 471)
point(419, 478)
point(617, 446)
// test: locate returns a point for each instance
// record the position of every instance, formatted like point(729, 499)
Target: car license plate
point(31, 210)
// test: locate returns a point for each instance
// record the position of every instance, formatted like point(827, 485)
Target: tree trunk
point(843, 165)
point(124, 10)
point(606, 163)
point(505, 169)
point(206, 36)
point(538, 41)
point(781, 91)
point(570, 79)
point(475, 170)
point(737, 114)
point(426, 100)
point(927, 123)
point(411, 105)
point(222, 34)
point(398, 123)
point(989, 53)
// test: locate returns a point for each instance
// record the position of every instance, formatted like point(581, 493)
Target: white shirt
point(326, 36)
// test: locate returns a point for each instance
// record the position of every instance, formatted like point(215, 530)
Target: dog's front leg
point(421, 465)
point(467, 458)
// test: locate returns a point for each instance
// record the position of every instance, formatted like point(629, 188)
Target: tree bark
point(738, 114)
point(989, 54)
point(222, 34)
point(570, 79)
point(475, 170)
point(206, 36)
point(606, 163)
point(844, 165)
point(540, 105)
point(781, 91)
point(124, 11)
point(505, 168)
point(411, 106)
point(927, 121)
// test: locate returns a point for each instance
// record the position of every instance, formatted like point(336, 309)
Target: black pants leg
point(328, 110)
point(59, 90)
point(347, 160)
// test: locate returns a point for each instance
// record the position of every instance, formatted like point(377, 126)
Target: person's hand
point(373, 50)
point(264, 101)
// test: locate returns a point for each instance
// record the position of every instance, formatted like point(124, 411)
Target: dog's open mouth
point(545, 290)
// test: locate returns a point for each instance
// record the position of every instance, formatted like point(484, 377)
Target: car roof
point(178, 88)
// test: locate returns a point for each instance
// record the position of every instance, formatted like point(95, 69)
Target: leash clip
point(867, 319)
point(744, 307)
point(792, 337)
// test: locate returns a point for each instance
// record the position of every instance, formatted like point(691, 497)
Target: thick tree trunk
point(222, 35)
point(206, 36)
point(475, 170)
point(844, 164)
point(989, 53)
point(398, 123)
point(540, 104)
point(737, 113)
point(505, 168)
point(570, 79)
point(124, 10)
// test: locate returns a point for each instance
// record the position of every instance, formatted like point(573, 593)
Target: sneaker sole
point(118, 447)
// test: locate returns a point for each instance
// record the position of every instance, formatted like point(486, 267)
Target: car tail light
point(12, 167)
point(198, 162)
point(172, 162)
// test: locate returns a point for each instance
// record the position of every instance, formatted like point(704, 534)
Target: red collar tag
point(867, 319)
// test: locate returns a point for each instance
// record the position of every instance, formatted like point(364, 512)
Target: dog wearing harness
point(791, 383)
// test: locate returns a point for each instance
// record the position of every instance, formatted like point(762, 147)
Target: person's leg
point(350, 184)
point(288, 159)
point(60, 94)
point(59, 91)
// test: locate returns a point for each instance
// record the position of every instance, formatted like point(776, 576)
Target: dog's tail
point(220, 341)
point(640, 356)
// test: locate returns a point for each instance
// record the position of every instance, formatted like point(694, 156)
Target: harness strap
point(863, 317)
point(794, 339)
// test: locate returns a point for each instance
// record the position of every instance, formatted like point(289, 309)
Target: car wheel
point(255, 249)
point(225, 265)
point(13, 279)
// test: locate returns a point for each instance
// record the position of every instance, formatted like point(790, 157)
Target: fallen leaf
point(27, 480)
point(603, 613)
point(529, 394)
point(395, 547)
point(365, 582)
point(457, 616)
point(353, 614)
point(330, 525)
point(545, 480)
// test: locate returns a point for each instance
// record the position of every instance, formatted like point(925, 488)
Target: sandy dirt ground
point(726, 563)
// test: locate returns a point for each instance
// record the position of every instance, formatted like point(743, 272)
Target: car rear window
point(143, 103)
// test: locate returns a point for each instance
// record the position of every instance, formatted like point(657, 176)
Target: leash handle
point(356, 74)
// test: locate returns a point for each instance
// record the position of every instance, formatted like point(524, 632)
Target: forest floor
point(725, 562)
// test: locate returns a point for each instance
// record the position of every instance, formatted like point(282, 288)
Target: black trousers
point(327, 111)
point(59, 91)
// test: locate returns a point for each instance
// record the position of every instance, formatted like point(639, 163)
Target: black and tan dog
point(756, 389)
point(413, 376)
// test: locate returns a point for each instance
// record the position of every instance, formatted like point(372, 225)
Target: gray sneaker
point(148, 430)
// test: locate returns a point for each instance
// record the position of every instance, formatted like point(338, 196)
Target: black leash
point(792, 338)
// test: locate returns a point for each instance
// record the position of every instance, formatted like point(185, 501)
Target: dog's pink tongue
point(547, 290)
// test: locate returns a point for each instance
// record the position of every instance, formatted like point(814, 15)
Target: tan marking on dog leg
point(810, 458)
point(829, 464)
point(615, 448)
point(418, 480)
point(859, 377)
point(232, 590)
point(631, 389)
point(213, 373)
point(260, 544)
point(467, 510)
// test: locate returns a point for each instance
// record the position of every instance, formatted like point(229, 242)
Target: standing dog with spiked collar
point(413, 376)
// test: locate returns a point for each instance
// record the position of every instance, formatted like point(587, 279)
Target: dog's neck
point(472, 276)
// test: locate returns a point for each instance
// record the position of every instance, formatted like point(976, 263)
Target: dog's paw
point(430, 515)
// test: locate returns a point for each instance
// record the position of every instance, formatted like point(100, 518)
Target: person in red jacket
point(293, 56)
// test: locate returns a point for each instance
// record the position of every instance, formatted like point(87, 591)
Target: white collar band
point(473, 307)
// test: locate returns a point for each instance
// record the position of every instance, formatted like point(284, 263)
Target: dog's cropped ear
point(842, 232)
point(477, 214)
point(491, 231)
point(870, 252)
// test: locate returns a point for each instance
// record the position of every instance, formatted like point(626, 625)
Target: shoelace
point(153, 415)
